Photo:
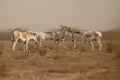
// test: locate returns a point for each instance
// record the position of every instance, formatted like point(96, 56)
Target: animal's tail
point(103, 42)
point(12, 38)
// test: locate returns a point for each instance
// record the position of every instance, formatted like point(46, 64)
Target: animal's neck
point(79, 32)
point(70, 31)
point(47, 32)
point(63, 34)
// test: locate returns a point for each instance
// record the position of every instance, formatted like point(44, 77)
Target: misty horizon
point(43, 15)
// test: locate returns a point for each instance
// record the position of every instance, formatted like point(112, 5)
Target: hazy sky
point(42, 15)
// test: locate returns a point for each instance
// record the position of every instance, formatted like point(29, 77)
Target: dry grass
point(112, 35)
point(59, 63)
point(109, 47)
point(53, 62)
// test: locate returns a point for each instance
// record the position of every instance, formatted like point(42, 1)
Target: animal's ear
point(34, 33)
point(69, 28)
point(62, 26)
point(52, 33)
point(65, 27)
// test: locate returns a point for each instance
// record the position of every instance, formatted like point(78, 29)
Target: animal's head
point(33, 36)
point(53, 35)
point(36, 38)
point(65, 28)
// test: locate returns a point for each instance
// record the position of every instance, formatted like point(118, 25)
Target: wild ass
point(66, 31)
point(25, 37)
point(59, 36)
point(86, 36)
point(73, 35)
point(42, 36)
point(92, 36)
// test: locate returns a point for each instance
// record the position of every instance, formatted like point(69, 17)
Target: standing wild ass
point(25, 37)
point(72, 34)
point(67, 31)
point(59, 36)
point(91, 36)
point(86, 36)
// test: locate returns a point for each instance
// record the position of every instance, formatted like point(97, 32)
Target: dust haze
point(42, 15)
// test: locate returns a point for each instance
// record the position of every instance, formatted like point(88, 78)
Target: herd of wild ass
point(58, 36)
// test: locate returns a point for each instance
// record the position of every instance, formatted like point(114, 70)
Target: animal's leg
point(92, 44)
point(55, 41)
point(14, 44)
point(40, 43)
point(74, 40)
point(83, 39)
point(100, 44)
point(41, 46)
point(26, 45)
point(85, 43)
point(75, 43)
point(63, 40)
point(59, 43)
point(43, 42)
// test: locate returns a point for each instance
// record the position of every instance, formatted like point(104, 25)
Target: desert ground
point(58, 63)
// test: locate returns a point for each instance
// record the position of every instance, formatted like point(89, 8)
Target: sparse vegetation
point(109, 47)
point(1, 53)
point(1, 49)
point(116, 49)
point(112, 35)
point(42, 50)
point(2, 69)
point(60, 62)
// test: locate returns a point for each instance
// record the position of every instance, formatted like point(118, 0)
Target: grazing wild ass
point(57, 36)
point(25, 37)
point(72, 34)
point(42, 36)
point(93, 36)
point(86, 36)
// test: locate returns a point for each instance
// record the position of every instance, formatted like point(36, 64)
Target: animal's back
point(15, 35)
point(41, 35)
point(98, 34)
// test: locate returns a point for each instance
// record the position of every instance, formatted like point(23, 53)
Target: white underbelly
point(22, 38)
